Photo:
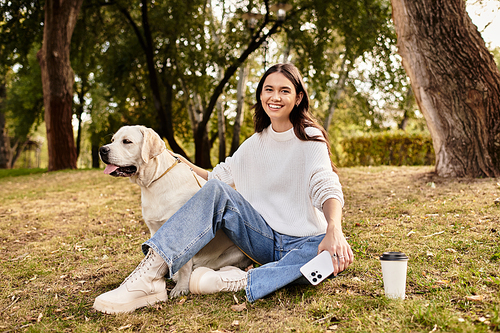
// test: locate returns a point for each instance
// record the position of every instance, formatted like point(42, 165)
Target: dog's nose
point(104, 150)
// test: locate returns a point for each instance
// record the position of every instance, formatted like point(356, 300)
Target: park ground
point(68, 236)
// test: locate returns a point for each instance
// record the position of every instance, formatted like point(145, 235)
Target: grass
point(67, 237)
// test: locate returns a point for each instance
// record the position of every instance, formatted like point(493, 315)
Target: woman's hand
point(334, 240)
point(339, 249)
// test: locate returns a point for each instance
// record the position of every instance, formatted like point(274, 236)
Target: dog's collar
point(177, 161)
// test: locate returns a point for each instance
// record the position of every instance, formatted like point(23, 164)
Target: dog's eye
point(126, 141)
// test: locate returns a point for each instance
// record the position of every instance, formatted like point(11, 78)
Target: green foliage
point(20, 27)
point(496, 56)
point(192, 42)
point(387, 148)
point(24, 103)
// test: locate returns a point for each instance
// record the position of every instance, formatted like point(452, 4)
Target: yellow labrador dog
point(166, 184)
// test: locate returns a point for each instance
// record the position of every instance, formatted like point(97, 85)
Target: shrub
point(387, 148)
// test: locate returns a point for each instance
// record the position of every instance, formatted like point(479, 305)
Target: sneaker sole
point(113, 308)
point(194, 287)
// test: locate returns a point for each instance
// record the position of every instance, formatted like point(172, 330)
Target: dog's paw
point(179, 291)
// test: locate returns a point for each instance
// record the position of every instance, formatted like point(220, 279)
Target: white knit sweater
point(285, 179)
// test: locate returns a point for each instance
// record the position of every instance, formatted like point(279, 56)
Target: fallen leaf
point(39, 319)
point(182, 300)
point(475, 298)
point(239, 307)
point(434, 234)
point(235, 323)
point(121, 328)
point(442, 282)
point(451, 250)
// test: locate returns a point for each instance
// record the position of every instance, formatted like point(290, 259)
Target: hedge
point(387, 148)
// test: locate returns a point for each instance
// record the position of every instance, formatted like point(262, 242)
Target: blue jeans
point(218, 206)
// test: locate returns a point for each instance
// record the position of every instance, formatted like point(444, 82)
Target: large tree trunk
point(456, 84)
point(57, 81)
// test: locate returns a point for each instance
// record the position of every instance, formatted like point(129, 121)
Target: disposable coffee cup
point(394, 266)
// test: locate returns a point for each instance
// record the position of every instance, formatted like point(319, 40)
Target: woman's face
point(278, 98)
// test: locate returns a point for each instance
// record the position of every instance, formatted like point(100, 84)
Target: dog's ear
point(152, 145)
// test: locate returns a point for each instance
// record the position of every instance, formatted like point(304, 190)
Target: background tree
point(21, 20)
point(57, 81)
point(23, 104)
point(456, 84)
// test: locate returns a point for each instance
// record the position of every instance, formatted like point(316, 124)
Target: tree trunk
point(456, 84)
point(240, 112)
point(221, 125)
point(5, 151)
point(57, 81)
point(407, 109)
point(340, 86)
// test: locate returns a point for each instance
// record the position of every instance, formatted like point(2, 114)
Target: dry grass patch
point(68, 236)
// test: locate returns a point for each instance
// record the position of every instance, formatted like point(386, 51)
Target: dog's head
point(130, 150)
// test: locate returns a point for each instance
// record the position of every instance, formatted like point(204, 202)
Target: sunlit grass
point(68, 236)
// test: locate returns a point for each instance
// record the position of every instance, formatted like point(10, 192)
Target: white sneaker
point(144, 286)
point(207, 281)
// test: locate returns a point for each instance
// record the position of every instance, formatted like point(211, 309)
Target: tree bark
point(456, 84)
point(240, 112)
point(5, 151)
point(340, 86)
point(57, 81)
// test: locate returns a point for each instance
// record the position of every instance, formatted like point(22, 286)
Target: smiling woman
point(278, 100)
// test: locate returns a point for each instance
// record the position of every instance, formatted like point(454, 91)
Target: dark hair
point(300, 117)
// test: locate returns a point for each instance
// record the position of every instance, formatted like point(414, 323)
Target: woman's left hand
point(339, 249)
point(334, 241)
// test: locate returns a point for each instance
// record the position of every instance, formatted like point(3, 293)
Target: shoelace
point(236, 285)
point(142, 265)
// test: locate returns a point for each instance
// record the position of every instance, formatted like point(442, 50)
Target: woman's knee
point(215, 186)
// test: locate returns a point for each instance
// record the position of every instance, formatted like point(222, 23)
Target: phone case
point(318, 268)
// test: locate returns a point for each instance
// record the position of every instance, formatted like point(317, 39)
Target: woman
point(287, 209)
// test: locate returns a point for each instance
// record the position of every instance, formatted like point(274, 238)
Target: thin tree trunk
point(406, 116)
point(57, 81)
point(456, 84)
point(334, 100)
point(5, 151)
point(240, 111)
point(221, 126)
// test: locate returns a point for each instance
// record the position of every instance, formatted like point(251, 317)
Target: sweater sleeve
point(222, 172)
point(324, 183)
